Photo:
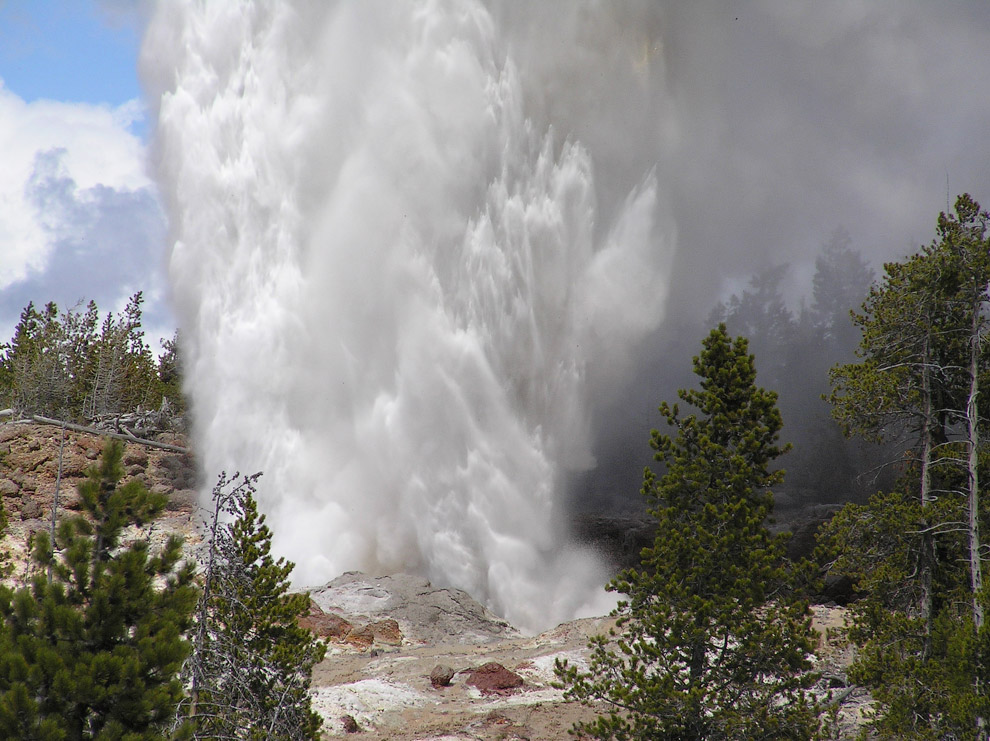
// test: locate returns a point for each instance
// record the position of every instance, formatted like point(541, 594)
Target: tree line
point(713, 637)
point(74, 366)
point(796, 349)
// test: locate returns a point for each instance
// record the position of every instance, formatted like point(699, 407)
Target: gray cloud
point(106, 244)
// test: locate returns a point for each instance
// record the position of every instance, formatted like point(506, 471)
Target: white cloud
point(79, 215)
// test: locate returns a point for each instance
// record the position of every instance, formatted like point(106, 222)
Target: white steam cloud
point(411, 242)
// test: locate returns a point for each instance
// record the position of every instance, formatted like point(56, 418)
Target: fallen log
point(103, 433)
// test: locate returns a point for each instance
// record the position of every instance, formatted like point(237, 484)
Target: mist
point(437, 263)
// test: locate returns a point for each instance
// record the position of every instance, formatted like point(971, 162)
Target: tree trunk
point(927, 556)
point(973, 433)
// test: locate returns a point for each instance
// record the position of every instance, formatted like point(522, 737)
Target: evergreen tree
point(841, 281)
point(94, 650)
point(71, 366)
point(252, 663)
point(916, 552)
point(761, 315)
point(170, 374)
point(713, 644)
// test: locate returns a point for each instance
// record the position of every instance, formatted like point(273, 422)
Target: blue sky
point(80, 217)
point(68, 50)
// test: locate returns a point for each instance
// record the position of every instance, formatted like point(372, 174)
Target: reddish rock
point(74, 466)
point(325, 625)
point(493, 679)
point(30, 510)
point(9, 432)
point(361, 637)
point(33, 462)
point(387, 631)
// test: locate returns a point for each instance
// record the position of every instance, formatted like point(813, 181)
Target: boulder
point(135, 455)
point(441, 676)
point(181, 500)
point(30, 510)
point(493, 678)
point(350, 725)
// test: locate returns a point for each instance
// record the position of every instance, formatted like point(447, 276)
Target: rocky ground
point(381, 683)
point(29, 473)
point(406, 660)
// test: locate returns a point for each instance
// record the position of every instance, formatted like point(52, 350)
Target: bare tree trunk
point(58, 484)
point(203, 610)
point(927, 556)
point(973, 434)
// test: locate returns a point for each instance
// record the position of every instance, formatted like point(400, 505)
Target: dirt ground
point(391, 697)
point(387, 689)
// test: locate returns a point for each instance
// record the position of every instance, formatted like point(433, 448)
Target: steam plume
point(411, 242)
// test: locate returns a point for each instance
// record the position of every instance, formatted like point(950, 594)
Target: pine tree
point(917, 552)
point(71, 366)
point(252, 663)
point(94, 651)
point(713, 645)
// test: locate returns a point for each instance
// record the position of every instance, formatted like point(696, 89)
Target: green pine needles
point(252, 663)
point(711, 643)
point(94, 651)
point(918, 554)
point(114, 641)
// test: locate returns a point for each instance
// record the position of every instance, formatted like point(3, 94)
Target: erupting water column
point(410, 241)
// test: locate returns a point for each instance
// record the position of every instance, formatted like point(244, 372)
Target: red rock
point(361, 637)
point(325, 625)
point(387, 631)
point(493, 679)
point(135, 455)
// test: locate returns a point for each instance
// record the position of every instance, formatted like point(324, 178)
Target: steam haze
point(431, 258)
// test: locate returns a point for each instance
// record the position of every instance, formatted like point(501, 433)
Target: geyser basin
point(411, 241)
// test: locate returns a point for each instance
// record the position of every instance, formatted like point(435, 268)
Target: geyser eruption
point(412, 242)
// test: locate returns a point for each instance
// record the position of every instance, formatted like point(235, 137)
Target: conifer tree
point(252, 663)
point(711, 643)
point(94, 651)
point(916, 552)
point(69, 365)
